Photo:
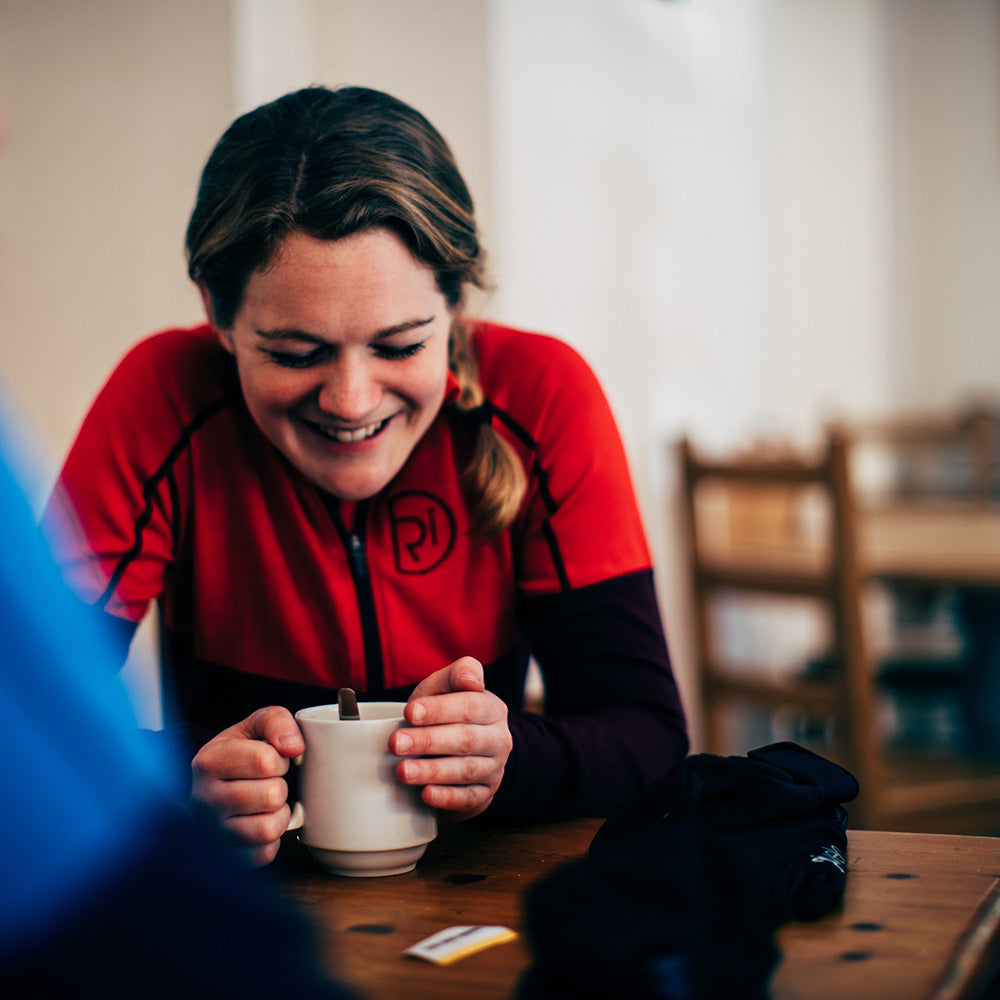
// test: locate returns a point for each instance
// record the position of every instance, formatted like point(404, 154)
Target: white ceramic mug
point(355, 816)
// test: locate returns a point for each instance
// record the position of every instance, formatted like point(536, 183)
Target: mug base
point(368, 864)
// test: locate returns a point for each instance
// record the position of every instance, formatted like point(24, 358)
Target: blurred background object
point(751, 216)
point(892, 666)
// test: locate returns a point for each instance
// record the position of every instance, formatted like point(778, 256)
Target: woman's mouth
point(349, 435)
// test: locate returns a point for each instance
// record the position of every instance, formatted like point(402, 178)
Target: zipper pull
point(357, 550)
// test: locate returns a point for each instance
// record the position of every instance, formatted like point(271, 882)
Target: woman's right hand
point(239, 777)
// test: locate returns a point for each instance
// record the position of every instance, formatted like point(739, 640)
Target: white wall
point(112, 107)
point(943, 70)
point(828, 178)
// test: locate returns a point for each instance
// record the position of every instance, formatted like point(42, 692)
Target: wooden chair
point(787, 525)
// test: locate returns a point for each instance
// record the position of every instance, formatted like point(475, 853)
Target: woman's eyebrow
point(288, 335)
point(411, 324)
point(389, 331)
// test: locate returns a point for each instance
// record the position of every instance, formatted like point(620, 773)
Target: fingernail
point(403, 742)
point(287, 741)
point(409, 770)
point(418, 713)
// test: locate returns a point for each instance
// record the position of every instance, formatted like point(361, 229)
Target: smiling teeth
point(347, 436)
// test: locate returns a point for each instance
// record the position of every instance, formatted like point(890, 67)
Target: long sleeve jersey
point(272, 592)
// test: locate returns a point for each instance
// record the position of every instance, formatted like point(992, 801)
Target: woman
point(339, 481)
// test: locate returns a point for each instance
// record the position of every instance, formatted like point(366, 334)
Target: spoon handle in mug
point(348, 704)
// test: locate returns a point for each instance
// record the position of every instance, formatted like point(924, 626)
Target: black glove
point(680, 895)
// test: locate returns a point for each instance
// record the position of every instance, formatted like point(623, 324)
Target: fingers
point(448, 771)
point(259, 830)
point(486, 737)
point(460, 723)
point(238, 777)
point(463, 757)
point(258, 857)
point(228, 799)
point(458, 740)
point(446, 784)
point(465, 801)
point(480, 708)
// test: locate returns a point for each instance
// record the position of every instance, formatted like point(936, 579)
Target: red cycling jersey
point(271, 591)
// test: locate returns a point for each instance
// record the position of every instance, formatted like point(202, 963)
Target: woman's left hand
point(461, 730)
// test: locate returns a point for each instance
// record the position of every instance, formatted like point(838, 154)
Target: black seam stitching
point(149, 492)
point(542, 477)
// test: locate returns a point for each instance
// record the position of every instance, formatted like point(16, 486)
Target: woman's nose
point(350, 391)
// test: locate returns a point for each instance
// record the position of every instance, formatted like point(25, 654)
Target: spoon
point(348, 704)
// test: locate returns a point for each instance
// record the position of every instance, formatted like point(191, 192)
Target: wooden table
point(921, 919)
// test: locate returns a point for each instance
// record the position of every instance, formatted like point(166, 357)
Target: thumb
point(274, 725)
point(466, 674)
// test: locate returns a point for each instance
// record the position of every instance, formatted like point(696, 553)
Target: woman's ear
point(225, 336)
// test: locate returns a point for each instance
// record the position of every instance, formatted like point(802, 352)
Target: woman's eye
point(398, 353)
point(288, 360)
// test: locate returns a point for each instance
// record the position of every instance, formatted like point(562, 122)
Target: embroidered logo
point(423, 531)
point(831, 855)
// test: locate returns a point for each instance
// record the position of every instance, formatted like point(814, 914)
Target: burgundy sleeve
point(614, 721)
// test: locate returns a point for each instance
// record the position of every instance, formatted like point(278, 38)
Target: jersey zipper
point(357, 559)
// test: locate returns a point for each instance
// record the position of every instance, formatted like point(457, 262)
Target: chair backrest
point(783, 523)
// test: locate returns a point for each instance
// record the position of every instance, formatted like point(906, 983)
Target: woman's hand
point(462, 728)
point(238, 776)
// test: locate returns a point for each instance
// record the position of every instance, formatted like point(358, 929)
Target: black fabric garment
point(680, 895)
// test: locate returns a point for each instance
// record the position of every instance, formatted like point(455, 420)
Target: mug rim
point(377, 711)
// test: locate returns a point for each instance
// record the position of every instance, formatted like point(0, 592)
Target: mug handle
point(298, 816)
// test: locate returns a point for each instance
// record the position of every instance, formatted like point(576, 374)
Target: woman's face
point(342, 350)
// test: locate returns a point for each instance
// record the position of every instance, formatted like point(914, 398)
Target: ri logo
point(423, 531)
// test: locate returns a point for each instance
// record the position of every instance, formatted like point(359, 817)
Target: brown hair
point(330, 163)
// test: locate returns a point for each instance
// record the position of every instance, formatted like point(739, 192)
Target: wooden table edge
point(977, 955)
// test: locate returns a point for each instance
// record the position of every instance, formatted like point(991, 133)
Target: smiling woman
point(342, 352)
point(342, 481)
